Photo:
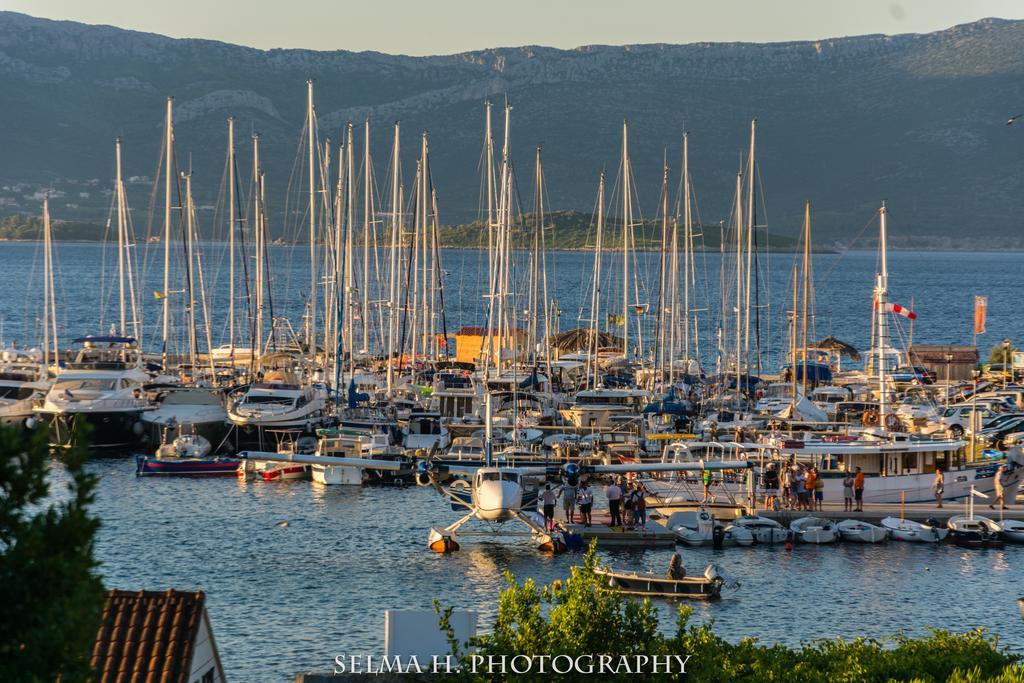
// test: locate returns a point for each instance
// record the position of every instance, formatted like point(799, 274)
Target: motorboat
point(763, 529)
point(817, 530)
point(190, 410)
point(23, 381)
point(705, 587)
point(931, 531)
point(424, 431)
point(699, 527)
point(1013, 530)
point(347, 442)
point(282, 399)
point(970, 531)
point(856, 531)
point(288, 441)
point(596, 408)
point(101, 384)
point(186, 455)
point(693, 527)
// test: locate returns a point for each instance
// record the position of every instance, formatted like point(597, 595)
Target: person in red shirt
point(858, 490)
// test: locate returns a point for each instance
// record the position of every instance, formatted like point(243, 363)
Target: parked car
point(994, 435)
point(909, 374)
point(957, 419)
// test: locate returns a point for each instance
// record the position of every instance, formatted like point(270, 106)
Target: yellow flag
point(158, 295)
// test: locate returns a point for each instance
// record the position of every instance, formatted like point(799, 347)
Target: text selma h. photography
point(514, 664)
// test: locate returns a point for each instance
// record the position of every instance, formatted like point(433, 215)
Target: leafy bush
point(581, 616)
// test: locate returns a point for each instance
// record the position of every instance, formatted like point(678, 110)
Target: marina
point(310, 419)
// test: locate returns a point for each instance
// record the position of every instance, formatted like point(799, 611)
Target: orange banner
point(980, 306)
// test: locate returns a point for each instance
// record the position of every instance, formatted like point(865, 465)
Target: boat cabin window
point(89, 384)
point(17, 393)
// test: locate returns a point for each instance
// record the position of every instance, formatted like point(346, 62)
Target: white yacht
point(598, 408)
point(23, 381)
point(282, 399)
point(101, 383)
point(425, 432)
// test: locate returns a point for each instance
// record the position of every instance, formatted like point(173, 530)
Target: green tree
point(53, 595)
point(581, 616)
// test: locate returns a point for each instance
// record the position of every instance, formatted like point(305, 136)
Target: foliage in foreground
point(582, 616)
point(53, 596)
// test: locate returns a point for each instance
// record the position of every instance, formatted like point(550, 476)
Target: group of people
point(627, 503)
point(571, 496)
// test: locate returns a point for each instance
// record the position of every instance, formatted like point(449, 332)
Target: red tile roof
point(147, 636)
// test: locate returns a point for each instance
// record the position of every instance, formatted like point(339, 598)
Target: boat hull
point(146, 466)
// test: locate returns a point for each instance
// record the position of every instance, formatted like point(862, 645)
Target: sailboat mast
point(350, 179)
point(739, 277)
point(595, 303)
point(627, 220)
point(258, 228)
point(231, 238)
point(367, 227)
point(168, 169)
point(120, 238)
point(807, 282)
point(750, 243)
point(881, 298)
point(190, 276)
point(396, 232)
point(49, 293)
point(687, 231)
point(489, 172)
point(311, 143)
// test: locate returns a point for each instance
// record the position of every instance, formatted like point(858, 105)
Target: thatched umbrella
point(581, 339)
point(844, 349)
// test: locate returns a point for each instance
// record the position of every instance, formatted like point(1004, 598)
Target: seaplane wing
point(309, 459)
point(643, 467)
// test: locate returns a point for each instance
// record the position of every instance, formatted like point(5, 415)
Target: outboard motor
point(717, 537)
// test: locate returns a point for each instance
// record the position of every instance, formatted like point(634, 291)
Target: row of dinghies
point(701, 528)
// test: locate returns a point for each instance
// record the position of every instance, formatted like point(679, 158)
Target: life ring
point(892, 421)
point(869, 418)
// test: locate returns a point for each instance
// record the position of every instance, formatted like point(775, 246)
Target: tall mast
point(807, 282)
point(168, 169)
point(881, 298)
point(367, 217)
point(489, 172)
point(231, 238)
point(687, 233)
point(258, 244)
point(739, 279)
point(627, 224)
point(311, 143)
point(396, 233)
point(425, 254)
point(49, 293)
point(350, 178)
point(750, 244)
point(664, 263)
point(189, 274)
point(595, 301)
point(120, 238)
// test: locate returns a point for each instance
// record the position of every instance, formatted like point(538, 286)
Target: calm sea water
point(285, 599)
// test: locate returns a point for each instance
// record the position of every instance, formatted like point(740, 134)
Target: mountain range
point(916, 119)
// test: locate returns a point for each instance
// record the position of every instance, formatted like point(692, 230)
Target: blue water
point(290, 598)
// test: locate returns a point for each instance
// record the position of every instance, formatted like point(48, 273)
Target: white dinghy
point(817, 530)
point(915, 532)
point(763, 529)
point(856, 531)
point(1013, 530)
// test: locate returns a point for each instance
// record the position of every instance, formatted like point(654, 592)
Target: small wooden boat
point(856, 531)
point(706, 587)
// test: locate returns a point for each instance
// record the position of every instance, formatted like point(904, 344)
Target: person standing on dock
point(569, 502)
point(848, 493)
point(819, 491)
point(548, 498)
point(1000, 482)
point(771, 487)
point(939, 486)
point(858, 490)
point(585, 497)
point(707, 478)
point(614, 495)
point(640, 505)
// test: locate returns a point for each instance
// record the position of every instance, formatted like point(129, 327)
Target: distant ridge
point(844, 122)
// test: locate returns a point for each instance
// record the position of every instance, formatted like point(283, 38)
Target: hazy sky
point(445, 26)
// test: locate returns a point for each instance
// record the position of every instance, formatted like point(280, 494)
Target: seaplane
point(496, 493)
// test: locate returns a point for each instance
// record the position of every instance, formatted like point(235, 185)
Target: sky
point(421, 27)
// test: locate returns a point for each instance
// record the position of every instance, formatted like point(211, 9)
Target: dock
point(872, 513)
